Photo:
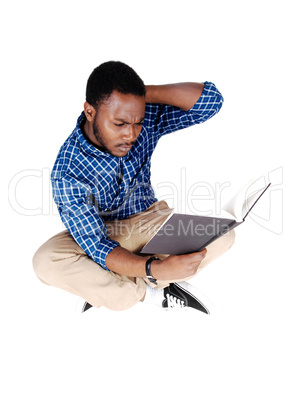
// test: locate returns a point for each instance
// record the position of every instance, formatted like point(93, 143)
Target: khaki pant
point(60, 262)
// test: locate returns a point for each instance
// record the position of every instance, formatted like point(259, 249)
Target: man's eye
point(119, 124)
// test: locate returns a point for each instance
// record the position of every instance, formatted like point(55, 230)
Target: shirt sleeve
point(165, 119)
point(82, 219)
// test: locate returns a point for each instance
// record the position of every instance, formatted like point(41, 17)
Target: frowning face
point(116, 125)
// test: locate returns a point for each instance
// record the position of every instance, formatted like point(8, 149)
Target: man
point(101, 186)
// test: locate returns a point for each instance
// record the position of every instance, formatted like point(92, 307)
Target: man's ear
point(90, 111)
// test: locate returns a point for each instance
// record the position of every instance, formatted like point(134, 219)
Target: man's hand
point(177, 266)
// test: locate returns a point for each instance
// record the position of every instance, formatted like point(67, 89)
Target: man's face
point(118, 122)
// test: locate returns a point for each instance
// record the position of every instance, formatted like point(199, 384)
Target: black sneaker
point(86, 306)
point(179, 295)
point(176, 295)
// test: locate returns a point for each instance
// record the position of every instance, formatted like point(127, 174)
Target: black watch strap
point(148, 270)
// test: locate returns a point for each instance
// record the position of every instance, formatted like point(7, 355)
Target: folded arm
point(173, 107)
point(183, 95)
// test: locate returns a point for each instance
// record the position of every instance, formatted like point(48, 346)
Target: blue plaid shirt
point(91, 186)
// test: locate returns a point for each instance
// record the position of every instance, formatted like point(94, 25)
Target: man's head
point(114, 107)
point(112, 76)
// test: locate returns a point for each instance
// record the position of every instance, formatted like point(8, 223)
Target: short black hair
point(111, 76)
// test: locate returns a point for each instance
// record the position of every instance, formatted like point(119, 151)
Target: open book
point(182, 233)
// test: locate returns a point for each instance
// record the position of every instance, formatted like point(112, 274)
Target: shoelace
point(174, 302)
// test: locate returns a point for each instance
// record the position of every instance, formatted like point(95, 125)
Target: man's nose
point(130, 134)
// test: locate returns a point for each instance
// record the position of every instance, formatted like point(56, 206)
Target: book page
point(243, 201)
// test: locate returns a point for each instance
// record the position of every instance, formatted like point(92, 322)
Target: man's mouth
point(125, 147)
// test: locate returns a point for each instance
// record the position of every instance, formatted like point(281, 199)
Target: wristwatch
point(148, 270)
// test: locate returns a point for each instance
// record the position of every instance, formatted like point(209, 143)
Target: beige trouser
point(60, 262)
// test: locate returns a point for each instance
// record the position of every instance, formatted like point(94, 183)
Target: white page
point(242, 202)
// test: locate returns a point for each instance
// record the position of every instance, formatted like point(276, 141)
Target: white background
point(49, 351)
